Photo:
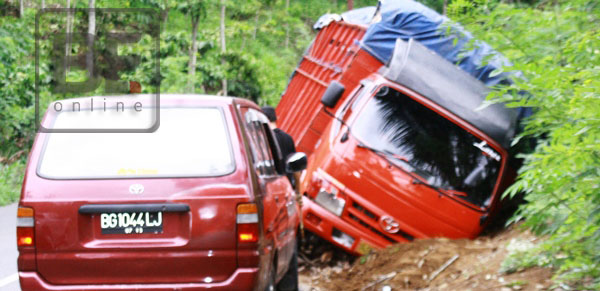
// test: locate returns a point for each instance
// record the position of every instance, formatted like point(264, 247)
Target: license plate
point(131, 223)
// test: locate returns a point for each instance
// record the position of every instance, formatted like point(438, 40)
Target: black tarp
point(420, 69)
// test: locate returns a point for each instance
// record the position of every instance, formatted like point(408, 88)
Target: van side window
point(262, 158)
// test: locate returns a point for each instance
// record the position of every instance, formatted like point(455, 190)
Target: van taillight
point(25, 224)
point(247, 223)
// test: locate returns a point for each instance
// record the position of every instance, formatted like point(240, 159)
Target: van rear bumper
point(242, 279)
point(327, 221)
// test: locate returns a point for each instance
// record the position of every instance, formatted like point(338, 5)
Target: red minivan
point(202, 202)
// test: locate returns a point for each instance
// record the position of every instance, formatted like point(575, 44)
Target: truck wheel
point(289, 282)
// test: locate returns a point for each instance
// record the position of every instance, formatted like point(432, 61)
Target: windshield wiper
point(416, 179)
point(415, 169)
point(387, 154)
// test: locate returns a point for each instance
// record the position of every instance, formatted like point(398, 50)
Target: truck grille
point(367, 220)
point(369, 227)
point(365, 211)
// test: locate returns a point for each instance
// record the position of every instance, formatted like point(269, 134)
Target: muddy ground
point(432, 264)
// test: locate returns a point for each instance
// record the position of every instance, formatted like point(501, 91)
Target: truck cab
point(393, 166)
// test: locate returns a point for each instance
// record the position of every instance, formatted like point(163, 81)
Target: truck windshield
point(431, 146)
point(190, 142)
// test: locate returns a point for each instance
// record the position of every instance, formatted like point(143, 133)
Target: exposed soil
point(413, 266)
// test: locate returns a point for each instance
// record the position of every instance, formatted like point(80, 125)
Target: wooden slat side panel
point(300, 111)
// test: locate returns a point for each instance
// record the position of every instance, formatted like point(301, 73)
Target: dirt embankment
point(433, 264)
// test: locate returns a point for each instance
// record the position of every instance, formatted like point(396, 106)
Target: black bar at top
point(109, 208)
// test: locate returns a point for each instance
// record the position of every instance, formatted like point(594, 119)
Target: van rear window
point(190, 142)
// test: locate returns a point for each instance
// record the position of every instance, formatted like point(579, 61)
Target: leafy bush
point(556, 47)
point(17, 76)
point(11, 177)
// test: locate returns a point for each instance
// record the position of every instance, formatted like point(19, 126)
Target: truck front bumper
point(326, 225)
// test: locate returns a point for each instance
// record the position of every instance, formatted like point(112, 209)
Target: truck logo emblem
point(487, 150)
point(389, 224)
point(136, 189)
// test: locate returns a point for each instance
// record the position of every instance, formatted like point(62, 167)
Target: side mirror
point(296, 162)
point(333, 94)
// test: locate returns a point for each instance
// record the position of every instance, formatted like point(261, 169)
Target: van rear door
point(114, 208)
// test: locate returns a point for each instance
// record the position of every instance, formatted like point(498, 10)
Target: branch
point(443, 267)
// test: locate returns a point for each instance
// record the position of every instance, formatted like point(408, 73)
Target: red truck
point(397, 151)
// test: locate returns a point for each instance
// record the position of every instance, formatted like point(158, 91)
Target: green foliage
point(363, 259)
point(556, 47)
point(11, 177)
point(196, 9)
point(17, 76)
point(522, 255)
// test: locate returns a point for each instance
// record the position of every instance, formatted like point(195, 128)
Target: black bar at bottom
point(104, 208)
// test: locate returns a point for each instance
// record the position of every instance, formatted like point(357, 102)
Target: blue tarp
point(407, 19)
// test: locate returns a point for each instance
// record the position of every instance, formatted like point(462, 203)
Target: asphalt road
point(9, 280)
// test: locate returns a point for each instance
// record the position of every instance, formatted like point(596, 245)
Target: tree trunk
point(445, 8)
point(223, 47)
point(287, 24)
point(255, 24)
point(43, 4)
point(90, 40)
point(165, 15)
point(92, 17)
point(193, 54)
point(21, 8)
point(350, 4)
point(68, 36)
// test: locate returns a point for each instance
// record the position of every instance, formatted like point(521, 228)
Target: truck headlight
point(327, 189)
point(328, 199)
